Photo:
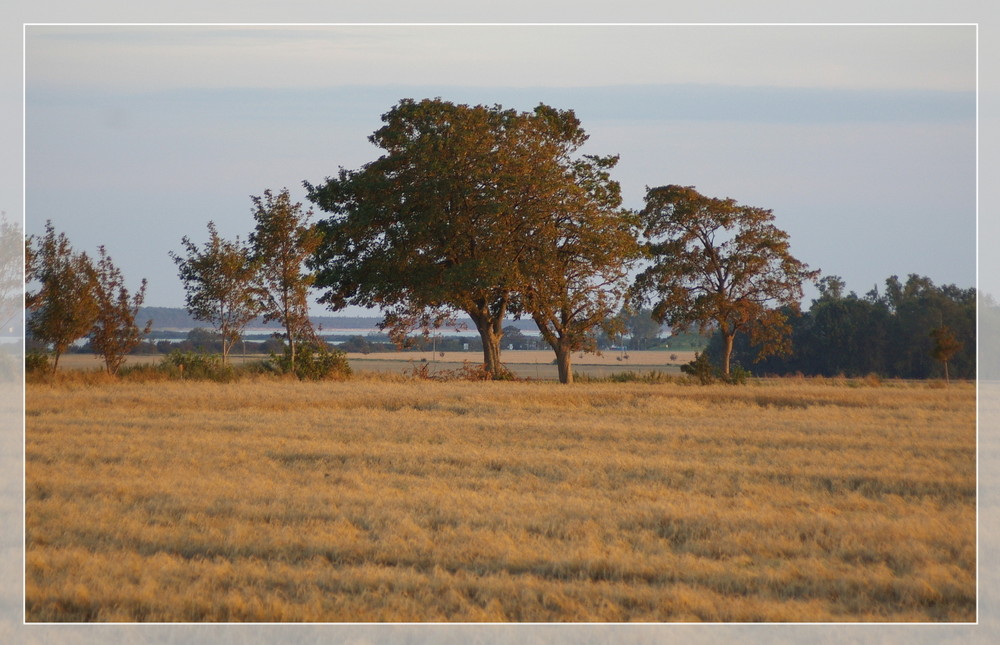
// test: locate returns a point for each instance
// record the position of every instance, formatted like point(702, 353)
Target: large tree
point(219, 285)
point(115, 333)
point(280, 243)
point(442, 221)
point(718, 264)
point(64, 307)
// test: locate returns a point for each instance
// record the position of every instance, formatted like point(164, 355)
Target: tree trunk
point(291, 348)
point(491, 353)
point(491, 346)
point(946, 379)
point(727, 353)
point(564, 358)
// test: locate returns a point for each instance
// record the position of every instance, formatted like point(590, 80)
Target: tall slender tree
point(115, 333)
point(720, 264)
point(219, 285)
point(283, 239)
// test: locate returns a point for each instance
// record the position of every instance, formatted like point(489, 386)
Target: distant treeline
point(888, 333)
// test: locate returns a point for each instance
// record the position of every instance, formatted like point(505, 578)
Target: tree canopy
point(115, 333)
point(716, 263)
point(578, 270)
point(64, 307)
point(219, 285)
point(455, 216)
point(280, 243)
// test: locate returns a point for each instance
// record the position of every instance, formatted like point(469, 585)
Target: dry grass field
point(381, 499)
point(537, 365)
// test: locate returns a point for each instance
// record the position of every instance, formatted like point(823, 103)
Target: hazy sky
point(861, 139)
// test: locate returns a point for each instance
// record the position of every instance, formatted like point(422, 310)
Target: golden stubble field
point(382, 499)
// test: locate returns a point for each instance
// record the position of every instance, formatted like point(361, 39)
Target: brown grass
point(378, 500)
point(525, 364)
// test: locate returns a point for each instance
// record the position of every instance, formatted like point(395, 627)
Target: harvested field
point(380, 499)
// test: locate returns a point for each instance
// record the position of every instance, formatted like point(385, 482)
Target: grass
point(391, 500)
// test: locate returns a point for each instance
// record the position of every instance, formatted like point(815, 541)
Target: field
point(383, 499)
point(526, 364)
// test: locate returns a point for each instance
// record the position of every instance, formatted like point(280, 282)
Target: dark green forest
point(888, 333)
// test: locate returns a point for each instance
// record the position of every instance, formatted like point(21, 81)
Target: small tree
point(640, 327)
point(65, 307)
point(115, 333)
point(718, 262)
point(219, 285)
point(280, 244)
point(945, 346)
point(514, 337)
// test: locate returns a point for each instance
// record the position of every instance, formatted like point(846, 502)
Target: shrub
point(738, 375)
point(197, 366)
point(652, 376)
point(147, 373)
point(467, 372)
point(700, 368)
point(36, 363)
point(873, 380)
point(313, 362)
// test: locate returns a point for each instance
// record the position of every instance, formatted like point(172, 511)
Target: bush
point(313, 362)
point(197, 366)
point(700, 368)
point(467, 372)
point(706, 373)
point(737, 375)
point(36, 363)
point(652, 376)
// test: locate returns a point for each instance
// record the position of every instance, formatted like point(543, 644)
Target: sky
point(863, 198)
point(860, 139)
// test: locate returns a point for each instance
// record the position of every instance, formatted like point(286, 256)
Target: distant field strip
point(650, 359)
point(379, 500)
point(529, 364)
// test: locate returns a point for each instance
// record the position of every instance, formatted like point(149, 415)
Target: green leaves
point(279, 245)
point(471, 208)
point(219, 284)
